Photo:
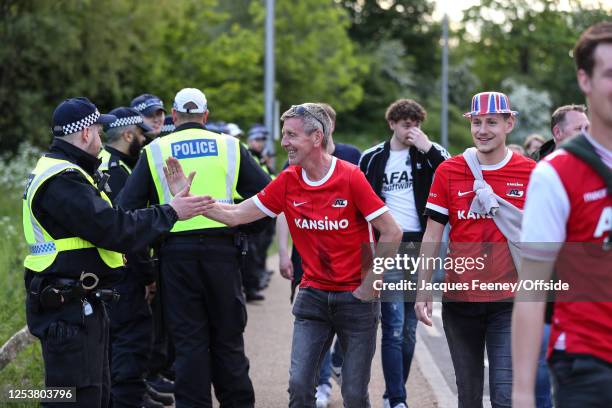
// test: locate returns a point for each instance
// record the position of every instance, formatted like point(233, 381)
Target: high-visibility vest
point(43, 247)
point(106, 156)
point(214, 157)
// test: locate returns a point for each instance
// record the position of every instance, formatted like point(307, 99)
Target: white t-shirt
point(398, 191)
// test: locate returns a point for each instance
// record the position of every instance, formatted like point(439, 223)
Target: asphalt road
point(268, 346)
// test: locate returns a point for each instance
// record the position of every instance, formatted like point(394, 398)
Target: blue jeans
point(398, 321)
point(543, 387)
point(334, 357)
point(469, 327)
point(319, 315)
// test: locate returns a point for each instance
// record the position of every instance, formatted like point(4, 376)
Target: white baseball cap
point(190, 100)
point(233, 130)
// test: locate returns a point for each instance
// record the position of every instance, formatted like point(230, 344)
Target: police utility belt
point(51, 293)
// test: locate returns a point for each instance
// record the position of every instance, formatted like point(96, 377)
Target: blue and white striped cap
point(127, 117)
point(147, 104)
point(76, 114)
point(168, 126)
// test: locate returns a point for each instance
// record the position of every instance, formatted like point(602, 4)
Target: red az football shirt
point(328, 221)
point(450, 197)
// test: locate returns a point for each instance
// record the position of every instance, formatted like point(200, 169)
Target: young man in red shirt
point(331, 209)
point(477, 318)
point(569, 209)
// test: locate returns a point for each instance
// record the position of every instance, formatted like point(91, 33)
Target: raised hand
point(419, 139)
point(175, 175)
point(188, 206)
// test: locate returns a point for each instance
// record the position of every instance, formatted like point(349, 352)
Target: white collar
point(497, 166)
point(324, 179)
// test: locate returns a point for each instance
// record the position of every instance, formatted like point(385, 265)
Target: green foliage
point(315, 57)
point(26, 371)
point(528, 40)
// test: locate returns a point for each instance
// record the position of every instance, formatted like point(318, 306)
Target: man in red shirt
point(331, 209)
point(477, 318)
point(569, 210)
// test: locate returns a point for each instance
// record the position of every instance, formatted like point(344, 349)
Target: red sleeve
point(438, 193)
point(271, 200)
point(365, 199)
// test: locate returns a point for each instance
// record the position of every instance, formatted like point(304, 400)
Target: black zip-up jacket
point(67, 205)
point(423, 167)
point(118, 175)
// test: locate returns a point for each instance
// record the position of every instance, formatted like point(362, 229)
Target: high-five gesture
point(175, 175)
point(186, 205)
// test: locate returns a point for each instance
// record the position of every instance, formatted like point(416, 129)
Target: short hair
point(588, 41)
point(329, 110)
point(184, 117)
point(314, 117)
point(558, 115)
point(405, 109)
point(531, 138)
point(113, 134)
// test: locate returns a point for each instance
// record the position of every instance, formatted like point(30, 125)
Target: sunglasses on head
point(302, 110)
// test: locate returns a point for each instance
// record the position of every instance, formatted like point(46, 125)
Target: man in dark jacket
point(76, 239)
point(400, 171)
point(131, 325)
point(565, 122)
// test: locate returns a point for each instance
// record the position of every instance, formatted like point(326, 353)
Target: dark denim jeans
point(543, 387)
point(581, 381)
point(398, 321)
point(319, 315)
point(469, 327)
point(335, 357)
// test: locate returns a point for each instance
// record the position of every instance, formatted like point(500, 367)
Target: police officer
point(75, 236)
point(153, 111)
point(161, 359)
point(125, 137)
point(202, 294)
point(255, 275)
point(168, 126)
point(130, 317)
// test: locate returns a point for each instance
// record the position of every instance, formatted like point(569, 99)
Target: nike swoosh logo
point(463, 193)
point(298, 204)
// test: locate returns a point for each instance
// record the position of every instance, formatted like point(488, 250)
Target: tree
point(528, 40)
point(315, 58)
point(56, 50)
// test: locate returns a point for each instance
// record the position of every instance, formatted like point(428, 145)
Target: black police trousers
point(130, 334)
point(206, 313)
point(75, 350)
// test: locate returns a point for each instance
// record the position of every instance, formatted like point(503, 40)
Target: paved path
point(268, 345)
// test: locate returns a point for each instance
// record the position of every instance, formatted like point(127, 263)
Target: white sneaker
point(386, 403)
point(400, 405)
point(322, 395)
point(336, 374)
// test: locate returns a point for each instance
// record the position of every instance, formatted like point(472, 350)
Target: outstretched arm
point(233, 214)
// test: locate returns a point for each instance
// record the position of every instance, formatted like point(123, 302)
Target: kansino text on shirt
point(406, 262)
